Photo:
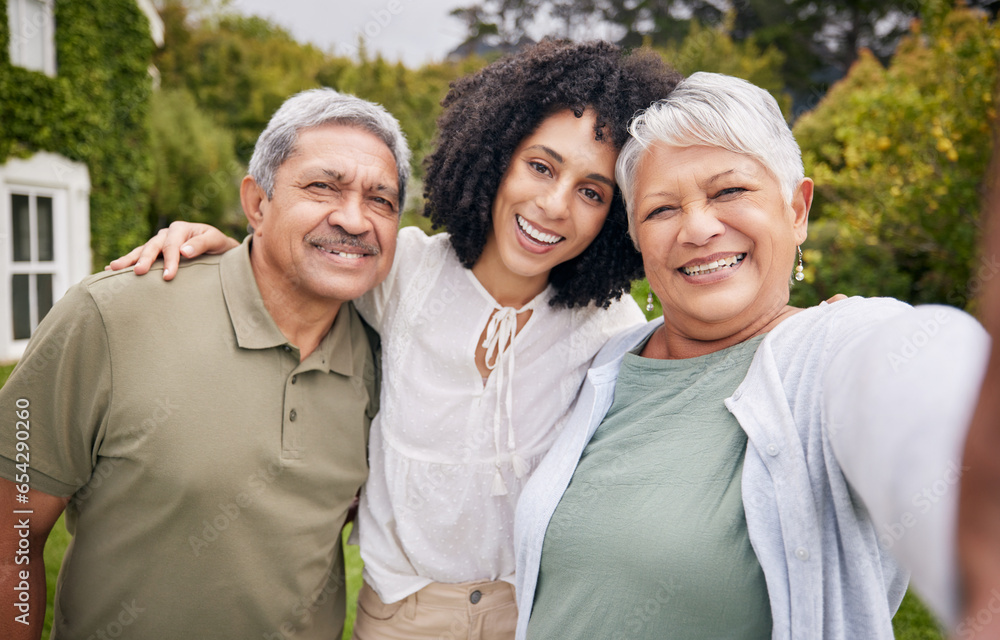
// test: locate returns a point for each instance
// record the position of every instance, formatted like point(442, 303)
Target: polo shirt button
point(286, 348)
point(772, 449)
point(294, 378)
point(291, 415)
point(475, 597)
point(801, 553)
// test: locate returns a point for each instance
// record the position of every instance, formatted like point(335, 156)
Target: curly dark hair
point(487, 114)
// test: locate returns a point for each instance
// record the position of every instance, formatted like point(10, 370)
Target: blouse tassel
point(499, 487)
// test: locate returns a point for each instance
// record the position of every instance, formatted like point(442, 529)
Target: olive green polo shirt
point(209, 470)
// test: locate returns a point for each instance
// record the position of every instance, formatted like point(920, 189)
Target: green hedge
point(94, 111)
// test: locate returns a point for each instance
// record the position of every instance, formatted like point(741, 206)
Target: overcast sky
point(414, 31)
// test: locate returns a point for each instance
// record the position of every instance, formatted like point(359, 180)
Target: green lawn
point(912, 621)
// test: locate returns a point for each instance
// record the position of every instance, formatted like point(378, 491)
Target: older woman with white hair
point(741, 468)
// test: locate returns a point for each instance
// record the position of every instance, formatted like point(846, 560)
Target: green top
point(650, 539)
point(209, 470)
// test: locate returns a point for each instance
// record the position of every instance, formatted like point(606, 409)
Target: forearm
point(22, 582)
point(28, 516)
point(979, 512)
point(898, 404)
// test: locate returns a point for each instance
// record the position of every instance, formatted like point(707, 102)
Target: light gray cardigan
point(855, 414)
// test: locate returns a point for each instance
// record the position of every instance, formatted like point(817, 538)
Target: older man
point(207, 436)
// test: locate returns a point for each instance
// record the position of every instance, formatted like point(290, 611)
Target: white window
point(32, 34)
point(34, 271)
point(44, 241)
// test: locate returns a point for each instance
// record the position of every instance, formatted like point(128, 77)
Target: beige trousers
point(439, 611)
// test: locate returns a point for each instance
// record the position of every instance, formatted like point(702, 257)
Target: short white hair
point(317, 107)
point(714, 110)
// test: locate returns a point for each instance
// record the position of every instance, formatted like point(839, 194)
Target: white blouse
point(448, 453)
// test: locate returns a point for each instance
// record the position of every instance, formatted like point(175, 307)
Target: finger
point(125, 261)
point(149, 252)
point(209, 241)
point(177, 235)
point(837, 298)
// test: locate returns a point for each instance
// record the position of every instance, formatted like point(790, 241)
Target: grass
point(912, 621)
point(5, 370)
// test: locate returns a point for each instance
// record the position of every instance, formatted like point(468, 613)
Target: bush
point(899, 157)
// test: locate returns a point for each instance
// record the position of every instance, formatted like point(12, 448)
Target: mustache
point(340, 238)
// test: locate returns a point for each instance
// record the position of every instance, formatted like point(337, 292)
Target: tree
point(196, 173)
point(238, 69)
point(820, 40)
point(713, 49)
point(898, 156)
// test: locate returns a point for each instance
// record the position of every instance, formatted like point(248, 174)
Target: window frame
point(16, 10)
point(34, 267)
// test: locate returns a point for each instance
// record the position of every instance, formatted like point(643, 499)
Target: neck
point(509, 289)
point(671, 343)
point(303, 320)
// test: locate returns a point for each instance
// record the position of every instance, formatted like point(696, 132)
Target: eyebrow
point(596, 177)
point(337, 176)
point(719, 176)
point(658, 194)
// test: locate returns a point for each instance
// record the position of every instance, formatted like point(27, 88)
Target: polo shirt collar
point(256, 329)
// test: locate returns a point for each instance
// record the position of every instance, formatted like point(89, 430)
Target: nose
point(699, 225)
point(554, 200)
point(350, 214)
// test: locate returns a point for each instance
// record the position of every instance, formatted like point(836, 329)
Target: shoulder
point(414, 240)
point(839, 321)
point(587, 329)
point(115, 288)
point(417, 252)
point(867, 328)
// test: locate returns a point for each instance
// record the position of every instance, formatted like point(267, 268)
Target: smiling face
point(717, 239)
point(551, 204)
point(328, 233)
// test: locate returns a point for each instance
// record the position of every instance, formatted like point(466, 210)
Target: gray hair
point(317, 107)
point(714, 110)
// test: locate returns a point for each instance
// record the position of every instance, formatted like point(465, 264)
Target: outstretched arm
point(188, 239)
point(979, 501)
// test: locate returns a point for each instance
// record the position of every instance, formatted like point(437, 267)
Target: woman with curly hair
point(487, 330)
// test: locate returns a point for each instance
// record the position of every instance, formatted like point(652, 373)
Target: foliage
point(239, 70)
point(713, 49)
point(55, 549)
point(819, 39)
point(93, 111)
point(196, 173)
point(914, 622)
point(412, 95)
point(898, 156)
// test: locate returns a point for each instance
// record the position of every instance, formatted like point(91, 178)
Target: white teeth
point(535, 234)
point(342, 254)
point(714, 266)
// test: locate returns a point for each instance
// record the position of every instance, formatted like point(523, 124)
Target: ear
point(254, 201)
point(801, 203)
